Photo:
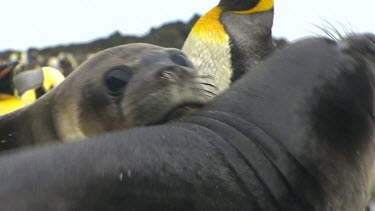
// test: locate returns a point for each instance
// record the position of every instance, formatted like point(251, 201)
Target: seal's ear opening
point(180, 59)
point(117, 79)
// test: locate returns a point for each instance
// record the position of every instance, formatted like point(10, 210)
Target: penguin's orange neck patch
point(263, 5)
point(209, 28)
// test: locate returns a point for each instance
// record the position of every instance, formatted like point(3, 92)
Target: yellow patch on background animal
point(263, 5)
point(208, 27)
point(52, 77)
point(9, 103)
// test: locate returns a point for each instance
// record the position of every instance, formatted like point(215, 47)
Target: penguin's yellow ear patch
point(209, 28)
point(52, 78)
point(263, 5)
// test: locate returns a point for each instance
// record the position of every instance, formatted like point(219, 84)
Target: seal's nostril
point(372, 39)
point(167, 75)
point(343, 46)
point(371, 47)
point(364, 44)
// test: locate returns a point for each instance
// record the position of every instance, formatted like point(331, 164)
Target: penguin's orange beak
point(5, 69)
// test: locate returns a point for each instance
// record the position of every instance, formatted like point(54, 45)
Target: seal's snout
point(175, 73)
point(371, 37)
point(363, 44)
point(367, 43)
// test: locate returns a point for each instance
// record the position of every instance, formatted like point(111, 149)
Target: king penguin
point(21, 89)
point(6, 72)
point(8, 102)
point(230, 39)
point(31, 84)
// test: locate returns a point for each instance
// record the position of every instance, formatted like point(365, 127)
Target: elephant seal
point(119, 88)
point(296, 133)
point(231, 39)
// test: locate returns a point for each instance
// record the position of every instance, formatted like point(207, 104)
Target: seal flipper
point(28, 125)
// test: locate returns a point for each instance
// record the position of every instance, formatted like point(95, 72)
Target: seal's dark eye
point(181, 60)
point(117, 79)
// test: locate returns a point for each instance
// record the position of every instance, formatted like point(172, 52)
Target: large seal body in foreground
point(119, 88)
point(294, 134)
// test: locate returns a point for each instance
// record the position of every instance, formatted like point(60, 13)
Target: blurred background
point(62, 34)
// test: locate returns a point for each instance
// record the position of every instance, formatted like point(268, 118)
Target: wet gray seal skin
point(361, 46)
point(119, 88)
point(294, 134)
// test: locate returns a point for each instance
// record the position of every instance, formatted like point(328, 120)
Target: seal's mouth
point(181, 110)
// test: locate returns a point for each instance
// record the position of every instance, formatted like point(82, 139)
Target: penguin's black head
point(6, 75)
point(238, 5)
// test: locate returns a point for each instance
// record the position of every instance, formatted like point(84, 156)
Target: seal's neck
point(66, 111)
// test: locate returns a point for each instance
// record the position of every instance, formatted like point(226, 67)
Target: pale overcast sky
point(41, 23)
